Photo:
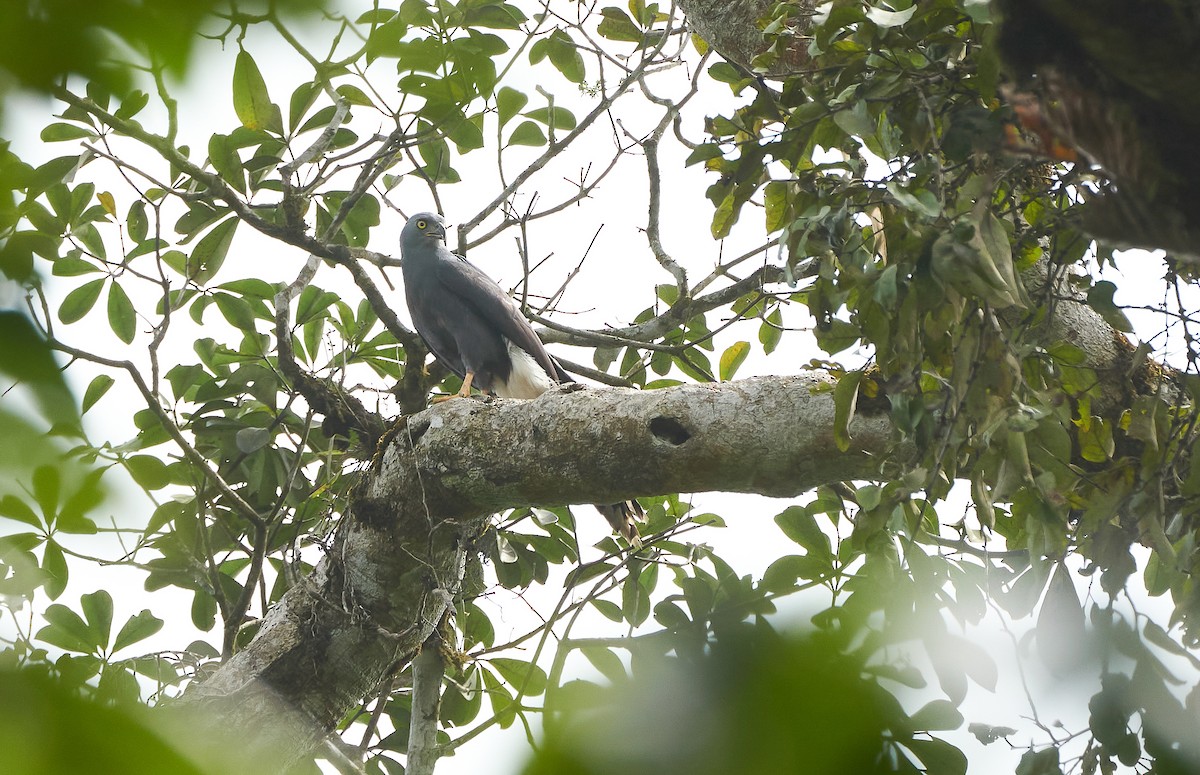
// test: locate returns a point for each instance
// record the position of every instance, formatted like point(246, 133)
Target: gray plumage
point(467, 321)
point(476, 330)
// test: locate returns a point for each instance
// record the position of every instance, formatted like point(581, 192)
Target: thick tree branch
point(398, 558)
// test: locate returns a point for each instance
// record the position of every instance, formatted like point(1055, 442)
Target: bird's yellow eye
point(421, 224)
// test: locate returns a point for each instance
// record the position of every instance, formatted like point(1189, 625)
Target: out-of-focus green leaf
point(148, 471)
point(136, 628)
point(800, 526)
point(47, 728)
point(67, 630)
point(98, 608)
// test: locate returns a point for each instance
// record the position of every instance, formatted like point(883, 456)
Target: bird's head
point(422, 229)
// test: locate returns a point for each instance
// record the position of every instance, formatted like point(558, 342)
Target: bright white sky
point(616, 283)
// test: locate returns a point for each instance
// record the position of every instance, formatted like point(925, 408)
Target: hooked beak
point(437, 231)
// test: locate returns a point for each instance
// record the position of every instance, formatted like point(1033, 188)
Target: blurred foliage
point(46, 728)
point(757, 702)
point(916, 225)
point(43, 41)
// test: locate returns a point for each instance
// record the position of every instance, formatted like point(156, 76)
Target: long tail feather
point(624, 518)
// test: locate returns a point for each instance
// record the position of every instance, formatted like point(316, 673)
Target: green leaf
point(210, 252)
point(313, 301)
point(47, 483)
point(133, 103)
point(80, 301)
point(251, 101)
point(354, 95)
point(461, 701)
point(781, 575)
point(14, 508)
point(96, 390)
point(527, 133)
point(501, 699)
point(98, 608)
point(771, 330)
point(938, 756)
point(606, 661)
point(148, 471)
point(122, 318)
point(204, 611)
point(385, 40)
point(417, 13)
point(726, 73)
point(987, 734)
point(616, 25)
point(497, 16)
point(776, 204)
point(71, 265)
point(1043, 762)
point(1100, 299)
point(71, 517)
point(938, 715)
point(466, 135)
point(845, 400)
point(54, 565)
point(1096, 444)
point(222, 154)
point(236, 310)
point(252, 439)
point(67, 630)
point(1060, 624)
point(565, 56)
point(608, 609)
point(635, 601)
point(725, 217)
point(60, 132)
point(559, 118)
point(523, 677)
point(138, 627)
point(799, 525)
point(856, 121)
point(922, 202)
point(732, 358)
point(136, 221)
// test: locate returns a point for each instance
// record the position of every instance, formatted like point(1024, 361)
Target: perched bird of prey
point(476, 330)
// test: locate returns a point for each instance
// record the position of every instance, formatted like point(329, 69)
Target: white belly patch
point(527, 380)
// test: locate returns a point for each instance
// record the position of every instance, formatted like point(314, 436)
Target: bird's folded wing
point(480, 291)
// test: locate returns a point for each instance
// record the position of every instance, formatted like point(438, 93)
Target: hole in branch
point(669, 430)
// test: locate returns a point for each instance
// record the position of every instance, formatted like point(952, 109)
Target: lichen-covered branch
point(399, 555)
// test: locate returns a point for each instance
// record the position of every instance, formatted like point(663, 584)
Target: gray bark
point(428, 669)
point(398, 557)
point(732, 28)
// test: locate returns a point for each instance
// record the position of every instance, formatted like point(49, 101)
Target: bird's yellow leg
point(463, 391)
